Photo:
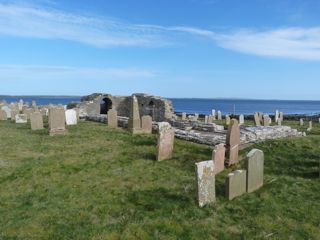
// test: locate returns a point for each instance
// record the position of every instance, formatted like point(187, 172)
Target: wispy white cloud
point(47, 23)
point(34, 72)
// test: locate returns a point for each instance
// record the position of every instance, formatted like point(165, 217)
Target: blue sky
point(263, 49)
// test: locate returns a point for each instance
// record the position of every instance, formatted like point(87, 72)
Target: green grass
point(99, 183)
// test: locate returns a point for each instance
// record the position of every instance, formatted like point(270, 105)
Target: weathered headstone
point(213, 113)
point(3, 115)
point(13, 115)
point(228, 120)
point(276, 116)
point(57, 121)
point(301, 122)
point(205, 183)
point(20, 105)
point(241, 119)
point(36, 121)
point(254, 167)
point(206, 119)
point(196, 117)
point(219, 115)
point(21, 118)
point(165, 141)
point(310, 126)
point(134, 123)
point(71, 117)
point(236, 184)
point(218, 157)
point(232, 142)
point(281, 116)
point(146, 124)
point(183, 116)
point(266, 120)
point(210, 119)
point(7, 110)
point(257, 119)
point(112, 118)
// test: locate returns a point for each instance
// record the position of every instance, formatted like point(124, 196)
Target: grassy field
point(99, 183)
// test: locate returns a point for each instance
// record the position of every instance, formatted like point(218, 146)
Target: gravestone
point(3, 115)
point(146, 124)
point(134, 122)
point(13, 115)
point(257, 119)
point(232, 142)
point(206, 119)
point(241, 119)
point(71, 117)
point(7, 110)
point(196, 117)
point(281, 116)
point(260, 116)
point(310, 126)
point(28, 111)
point(228, 120)
point(21, 118)
point(36, 121)
point(276, 116)
point(205, 183)
point(213, 113)
point(266, 120)
point(236, 184)
point(219, 115)
point(210, 119)
point(57, 121)
point(112, 118)
point(301, 122)
point(34, 104)
point(218, 157)
point(165, 141)
point(184, 116)
point(254, 167)
point(20, 105)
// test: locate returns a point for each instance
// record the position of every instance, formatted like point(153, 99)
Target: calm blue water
point(204, 106)
point(247, 107)
point(42, 100)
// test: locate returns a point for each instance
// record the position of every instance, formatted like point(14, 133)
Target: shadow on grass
point(159, 199)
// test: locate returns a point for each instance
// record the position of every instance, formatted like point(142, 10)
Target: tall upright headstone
point(228, 120)
point(219, 115)
point(301, 122)
point(257, 119)
point(218, 157)
point(241, 119)
point(184, 116)
point(165, 141)
point(232, 142)
point(276, 116)
point(213, 113)
point(71, 117)
point(281, 116)
point(254, 167)
point(57, 121)
point(20, 105)
point(206, 118)
point(205, 183)
point(112, 118)
point(310, 126)
point(134, 123)
point(146, 124)
point(36, 121)
point(210, 119)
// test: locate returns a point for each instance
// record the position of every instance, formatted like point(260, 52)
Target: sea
point(204, 106)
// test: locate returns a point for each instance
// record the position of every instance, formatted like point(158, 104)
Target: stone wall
point(158, 108)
